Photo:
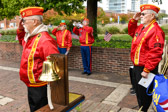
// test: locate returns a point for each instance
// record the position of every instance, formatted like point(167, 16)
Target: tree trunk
point(92, 15)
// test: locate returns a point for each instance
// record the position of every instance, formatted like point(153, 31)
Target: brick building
point(13, 23)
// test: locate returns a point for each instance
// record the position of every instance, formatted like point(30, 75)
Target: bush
point(101, 30)
point(2, 32)
point(8, 38)
point(113, 30)
point(125, 30)
point(8, 32)
point(165, 29)
point(50, 30)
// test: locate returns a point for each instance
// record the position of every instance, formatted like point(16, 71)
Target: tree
point(10, 8)
point(162, 15)
point(92, 14)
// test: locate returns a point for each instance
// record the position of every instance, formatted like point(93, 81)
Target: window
point(11, 25)
point(2, 25)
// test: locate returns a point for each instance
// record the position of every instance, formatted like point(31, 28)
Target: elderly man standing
point(147, 48)
point(37, 45)
point(63, 36)
point(86, 39)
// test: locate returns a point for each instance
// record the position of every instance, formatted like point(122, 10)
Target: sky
point(163, 6)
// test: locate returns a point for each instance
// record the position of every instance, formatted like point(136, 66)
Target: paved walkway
point(103, 92)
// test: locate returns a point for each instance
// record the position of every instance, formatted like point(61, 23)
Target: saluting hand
point(137, 16)
point(21, 25)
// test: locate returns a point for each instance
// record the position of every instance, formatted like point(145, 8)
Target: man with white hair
point(63, 36)
point(146, 50)
point(37, 45)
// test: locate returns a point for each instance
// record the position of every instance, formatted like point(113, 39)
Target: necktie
point(141, 31)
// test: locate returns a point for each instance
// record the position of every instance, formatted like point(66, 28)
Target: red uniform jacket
point(34, 54)
point(85, 35)
point(64, 39)
point(147, 44)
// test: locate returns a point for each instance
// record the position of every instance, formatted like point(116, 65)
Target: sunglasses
point(24, 20)
point(143, 14)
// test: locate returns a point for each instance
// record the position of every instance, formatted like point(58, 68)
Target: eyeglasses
point(24, 20)
point(143, 14)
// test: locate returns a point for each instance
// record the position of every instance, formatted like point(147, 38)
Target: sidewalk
point(104, 92)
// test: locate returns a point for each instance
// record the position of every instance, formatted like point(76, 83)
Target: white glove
point(74, 24)
point(67, 52)
point(80, 25)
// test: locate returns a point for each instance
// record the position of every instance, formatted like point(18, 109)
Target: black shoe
point(132, 89)
point(84, 73)
point(89, 74)
point(133, 92)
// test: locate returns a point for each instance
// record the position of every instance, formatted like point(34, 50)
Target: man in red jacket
point(63, 36)
point(37, 45)
point(147, 48)
point(86, 39)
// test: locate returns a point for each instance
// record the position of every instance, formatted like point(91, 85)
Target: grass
point(124, 37)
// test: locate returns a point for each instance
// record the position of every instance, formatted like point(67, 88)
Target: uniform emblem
point(132, 20)
point(157, 38)
point(142, 8)
point(157, 45)
point(23, 13)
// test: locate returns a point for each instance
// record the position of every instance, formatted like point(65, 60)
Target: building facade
point(13, 23)
point(143, 1)
point(121, 6)
point(118, 6)
point(135, 4)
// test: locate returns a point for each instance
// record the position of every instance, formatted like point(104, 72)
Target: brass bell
point(49, 71)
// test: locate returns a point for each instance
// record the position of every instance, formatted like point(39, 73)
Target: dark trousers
point(142, 98)
point(86, 52)
point(37, 97)
point(132, 77)
point(62, 50)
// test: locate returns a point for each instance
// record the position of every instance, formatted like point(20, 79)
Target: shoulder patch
point(157, 45)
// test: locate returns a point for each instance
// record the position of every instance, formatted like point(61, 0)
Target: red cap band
point(149, 7)
point(30, 11)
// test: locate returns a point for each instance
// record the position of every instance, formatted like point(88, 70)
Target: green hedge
point(165, 29)
point(113, 30)
point(8, 38)
point(125, 30)
point(8, 32)
point(115, 42)
point(100, 30)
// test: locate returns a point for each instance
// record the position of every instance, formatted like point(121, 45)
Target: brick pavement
point(12, 87)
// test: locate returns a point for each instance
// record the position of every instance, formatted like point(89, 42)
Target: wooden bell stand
point(62, 100)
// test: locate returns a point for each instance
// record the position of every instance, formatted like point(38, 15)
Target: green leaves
point(11, 8)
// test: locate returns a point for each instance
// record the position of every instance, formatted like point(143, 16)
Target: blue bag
point(160, 93)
